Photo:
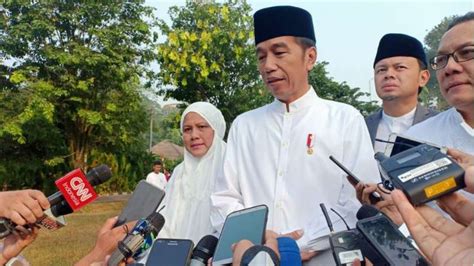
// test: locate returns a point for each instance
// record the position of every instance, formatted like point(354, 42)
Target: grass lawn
point(70, 243)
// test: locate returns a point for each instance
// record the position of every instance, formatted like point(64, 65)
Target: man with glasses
point(454, 66)
point(453, 128)
point(400, 73)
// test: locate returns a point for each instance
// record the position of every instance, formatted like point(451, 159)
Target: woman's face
point(197, 134)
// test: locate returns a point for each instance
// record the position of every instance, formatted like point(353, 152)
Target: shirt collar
point(406, 119)
point(459, 119)
point(301, 103)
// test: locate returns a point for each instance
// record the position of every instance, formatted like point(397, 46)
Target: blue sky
point(348, 32)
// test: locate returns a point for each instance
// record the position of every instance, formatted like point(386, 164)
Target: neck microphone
point(75, 191)
point(133, 241)
point(204, 250)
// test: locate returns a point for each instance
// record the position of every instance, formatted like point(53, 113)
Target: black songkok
point(280, 21)
point(396, 44)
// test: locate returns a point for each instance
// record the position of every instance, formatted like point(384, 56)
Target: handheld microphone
point(204, 250)
point(74, 187)
point(133, 241)
point(75, 191)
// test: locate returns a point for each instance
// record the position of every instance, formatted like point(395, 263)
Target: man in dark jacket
point(400, 71)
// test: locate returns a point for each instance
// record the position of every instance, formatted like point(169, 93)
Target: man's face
point(456, 80)
point(399, 77)
point(157, 168)
point(284, 66)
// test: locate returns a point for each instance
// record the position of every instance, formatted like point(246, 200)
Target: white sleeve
point(226, 196)
point(358, 151)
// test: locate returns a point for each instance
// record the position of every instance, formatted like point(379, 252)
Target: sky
point(348, 32)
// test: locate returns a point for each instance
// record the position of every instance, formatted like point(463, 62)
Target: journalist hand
point(107, 241)
point(15, 243)
point(386, 205)
point(443, 241)
point(23, 206)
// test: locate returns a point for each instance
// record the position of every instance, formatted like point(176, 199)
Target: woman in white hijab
point(188, 195)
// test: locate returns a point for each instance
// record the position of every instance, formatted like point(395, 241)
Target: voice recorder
point(423, 173)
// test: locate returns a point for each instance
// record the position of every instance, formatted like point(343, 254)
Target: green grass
point(70, 243)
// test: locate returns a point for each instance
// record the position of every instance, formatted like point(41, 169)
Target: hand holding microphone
point(107, 240)
point(75, 191)
point(23, 206)
point(133, 241)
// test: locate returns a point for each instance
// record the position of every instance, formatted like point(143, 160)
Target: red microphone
point(76, 189)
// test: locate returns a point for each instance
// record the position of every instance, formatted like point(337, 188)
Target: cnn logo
point(81, 191)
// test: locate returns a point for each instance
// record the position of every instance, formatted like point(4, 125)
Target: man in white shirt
point(453, 128)
point(454, 67)
point(400, 73)
point(156, 177)
point(277, 154)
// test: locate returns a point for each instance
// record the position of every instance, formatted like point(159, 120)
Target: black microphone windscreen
point(205, 248)
point(380, 157)
point(157, 221)
point(366, 211)
point(99, 175)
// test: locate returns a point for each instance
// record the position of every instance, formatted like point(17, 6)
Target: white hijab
point(188, 195)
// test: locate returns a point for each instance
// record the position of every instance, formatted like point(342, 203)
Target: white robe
point(187, 200)
point(445, 129)
point(267, 162)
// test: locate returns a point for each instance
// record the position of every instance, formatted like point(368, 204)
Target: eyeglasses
point(462, 54)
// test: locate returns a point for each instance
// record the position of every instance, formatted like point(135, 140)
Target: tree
point(432, 40)
point(78, 65)
point(329, 89)
point(209, 56)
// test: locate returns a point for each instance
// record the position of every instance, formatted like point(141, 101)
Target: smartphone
point(350, 176)
point(145, 199)
point(403, 143)
point(374, 197)
point(247, 224)
point(389, 242)
point(176, 252)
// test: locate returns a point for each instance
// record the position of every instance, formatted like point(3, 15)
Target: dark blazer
point(373, 120)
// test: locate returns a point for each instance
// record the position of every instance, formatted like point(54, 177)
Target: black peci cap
point(396, 44)
point(279, 21)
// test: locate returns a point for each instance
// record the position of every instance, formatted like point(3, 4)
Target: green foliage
point(74, 86)
point(432, 39)
point(329, 89)
point(169, 127)
point(209, 56)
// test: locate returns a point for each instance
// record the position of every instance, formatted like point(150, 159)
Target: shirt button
point(280, 173)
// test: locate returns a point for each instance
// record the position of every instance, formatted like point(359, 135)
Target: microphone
point(94, 177)
point(131, 244)
point(203, 251)
point(75, 191)
point(367, 211)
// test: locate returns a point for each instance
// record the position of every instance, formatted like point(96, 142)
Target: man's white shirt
point(445, 129)
point(281, 159)
point(390, 124)
point(158, 180)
